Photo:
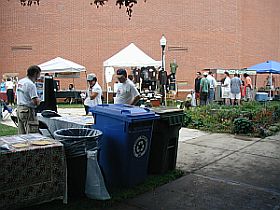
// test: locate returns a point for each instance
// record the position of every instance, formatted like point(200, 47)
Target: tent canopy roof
point(60, 65)
point(272, 67)
point(131, 56)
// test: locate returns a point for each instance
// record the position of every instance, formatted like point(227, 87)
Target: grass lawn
point(6, 130)
point(66, 105)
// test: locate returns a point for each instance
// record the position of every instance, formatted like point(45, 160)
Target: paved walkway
point(222, 172)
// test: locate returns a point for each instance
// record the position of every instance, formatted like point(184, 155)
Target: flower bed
point(254, 118)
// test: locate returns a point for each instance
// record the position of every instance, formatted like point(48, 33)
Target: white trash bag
point(95, 187)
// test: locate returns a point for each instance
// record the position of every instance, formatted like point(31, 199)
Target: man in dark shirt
point(197, 87)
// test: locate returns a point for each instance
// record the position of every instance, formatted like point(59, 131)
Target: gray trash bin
point(77, 141)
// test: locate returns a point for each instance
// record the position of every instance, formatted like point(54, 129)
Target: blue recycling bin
point(125, 148)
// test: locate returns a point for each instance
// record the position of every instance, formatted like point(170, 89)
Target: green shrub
point(187, 119)
point(220, 118)
point(242, 126)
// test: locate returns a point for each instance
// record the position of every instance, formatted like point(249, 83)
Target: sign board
point(109, 72)
point(237, 71)
point(67, 75)
point(40, 90)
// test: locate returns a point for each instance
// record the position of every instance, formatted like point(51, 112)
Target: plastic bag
point(95, 187)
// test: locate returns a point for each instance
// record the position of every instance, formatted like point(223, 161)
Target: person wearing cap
point(94, 93)
point(204, 89)
point(126, 91)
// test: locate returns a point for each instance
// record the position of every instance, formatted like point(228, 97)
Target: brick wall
point(216, 33)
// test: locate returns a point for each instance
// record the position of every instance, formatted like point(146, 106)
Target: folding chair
point(7, 111)
point(44, 129)
point(14, 119)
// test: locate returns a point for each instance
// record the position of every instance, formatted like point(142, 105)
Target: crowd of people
point(233, 89)
point(27, 97)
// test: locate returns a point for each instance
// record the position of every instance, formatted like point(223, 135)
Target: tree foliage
point(126, 3)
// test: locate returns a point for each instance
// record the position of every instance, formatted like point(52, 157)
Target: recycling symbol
point(140, 146)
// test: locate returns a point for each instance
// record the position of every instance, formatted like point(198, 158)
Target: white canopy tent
point(60, 65)
point(131, 56)
point(62, 68)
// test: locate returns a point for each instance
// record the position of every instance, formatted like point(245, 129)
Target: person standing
point(204, 90)
point(248, 87)
point(226, 89)
point(94, 93)
point(197, 88)
point(27, 101)
point(10, 91)
point(69, 99)
point(126, 90)
point(235, 87)
point(212, 87)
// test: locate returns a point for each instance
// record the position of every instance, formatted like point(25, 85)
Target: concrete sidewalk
point(222, 172)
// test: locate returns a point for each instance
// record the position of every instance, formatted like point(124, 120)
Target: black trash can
point(164, 143)
point(77, 141)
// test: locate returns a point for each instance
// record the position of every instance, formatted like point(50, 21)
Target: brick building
point(210, 33)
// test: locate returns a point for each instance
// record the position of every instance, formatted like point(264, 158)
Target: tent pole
point(107, 97)
point(270, 86)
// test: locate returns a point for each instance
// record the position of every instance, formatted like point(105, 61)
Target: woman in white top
point(10, 91)
point(226, 89)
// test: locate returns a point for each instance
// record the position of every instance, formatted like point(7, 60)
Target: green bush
point(242, 126)
point(219, 118)
point(187, 119)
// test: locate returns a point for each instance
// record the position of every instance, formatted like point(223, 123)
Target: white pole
point(270, 86)
point(107, 97)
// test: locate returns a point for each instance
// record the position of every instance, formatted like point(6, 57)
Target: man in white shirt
point(94, 93)
point(126, 91)
point(212, 87)
point(27, 101)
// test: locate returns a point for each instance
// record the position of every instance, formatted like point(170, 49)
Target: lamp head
point(163, 41)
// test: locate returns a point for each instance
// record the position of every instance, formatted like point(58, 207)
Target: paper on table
point(33, 137)
point(13, 139)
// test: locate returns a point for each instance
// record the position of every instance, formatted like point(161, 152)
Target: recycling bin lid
point(124, 112)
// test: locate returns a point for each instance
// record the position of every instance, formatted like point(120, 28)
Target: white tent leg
point(107, 96)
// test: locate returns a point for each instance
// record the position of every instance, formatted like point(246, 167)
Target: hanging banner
point(237, 71)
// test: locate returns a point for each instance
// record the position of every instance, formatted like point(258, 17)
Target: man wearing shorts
point(235, 94)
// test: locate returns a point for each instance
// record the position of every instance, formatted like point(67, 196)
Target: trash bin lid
point(124, 112)
point(172, 116)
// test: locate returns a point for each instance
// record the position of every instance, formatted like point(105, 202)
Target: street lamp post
point(163, 44)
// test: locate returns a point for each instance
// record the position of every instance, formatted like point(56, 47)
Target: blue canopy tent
point(271, 67)
point(268, 67)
